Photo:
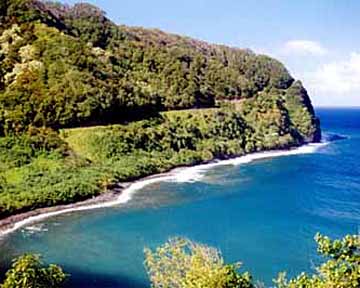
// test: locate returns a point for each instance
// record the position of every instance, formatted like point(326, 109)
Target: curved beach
point(124, 191)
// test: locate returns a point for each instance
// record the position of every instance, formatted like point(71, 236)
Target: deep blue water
point(264, 214)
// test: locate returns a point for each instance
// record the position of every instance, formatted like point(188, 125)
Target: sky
point(317, 40)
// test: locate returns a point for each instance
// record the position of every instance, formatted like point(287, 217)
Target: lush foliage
point(66, 66)
point(181, 263)
point(37, 170)
point(28, 271)
point(42, 168)
point(69, 66)
point(342, 270)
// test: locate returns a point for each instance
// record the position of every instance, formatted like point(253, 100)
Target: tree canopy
point(28, 271)
point(86, 103)
point(341, 270)
point(66, 66)
point(181, 263)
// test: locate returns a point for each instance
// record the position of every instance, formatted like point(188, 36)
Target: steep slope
point(69, 66)
point(85, 68)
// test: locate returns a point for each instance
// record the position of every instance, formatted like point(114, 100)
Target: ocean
point(261, 212)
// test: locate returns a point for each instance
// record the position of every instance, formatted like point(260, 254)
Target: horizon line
point(337, 106)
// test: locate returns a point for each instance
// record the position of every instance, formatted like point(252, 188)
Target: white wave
point(192, 173)
point(35, 229)
point(127, 193)
point(306, 149)
point(195, 173)
point(181, 175)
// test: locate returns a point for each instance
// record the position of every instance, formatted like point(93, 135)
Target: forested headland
point(86, 103)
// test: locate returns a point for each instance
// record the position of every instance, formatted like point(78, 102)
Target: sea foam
point(180, 175)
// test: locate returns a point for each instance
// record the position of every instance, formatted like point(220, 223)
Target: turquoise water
point(263, 214)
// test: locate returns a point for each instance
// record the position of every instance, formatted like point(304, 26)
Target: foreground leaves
point(181, 263)
point(342, 270)
point(28, 271)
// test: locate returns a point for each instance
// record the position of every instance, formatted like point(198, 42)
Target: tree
point(28, 271)
point(181, 263)
point(342, 270)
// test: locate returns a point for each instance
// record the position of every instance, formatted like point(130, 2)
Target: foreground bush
point(28, 271)
point(342, 270)
point(181, 263)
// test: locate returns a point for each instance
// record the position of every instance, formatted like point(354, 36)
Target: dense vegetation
point(181, 263)
point(67, 70)
point(341, 270)
point(28, 271)
point(66, 66)
point(41, 167)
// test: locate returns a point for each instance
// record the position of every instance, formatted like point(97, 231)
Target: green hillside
point(85, 103)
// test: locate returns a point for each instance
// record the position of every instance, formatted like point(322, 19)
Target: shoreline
point(123, 192)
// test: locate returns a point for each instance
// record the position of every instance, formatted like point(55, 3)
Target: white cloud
point(330, 81)
point(340, 77)
point(304, 47)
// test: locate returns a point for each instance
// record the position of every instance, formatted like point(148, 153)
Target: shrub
point(342, 270)
point(181, 263)
point(28, 271)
